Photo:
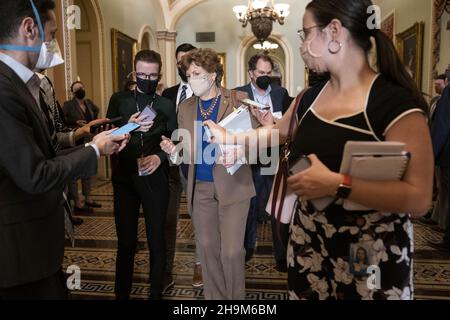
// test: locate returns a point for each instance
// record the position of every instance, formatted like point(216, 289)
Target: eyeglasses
point(302, 33)
point(151, 76)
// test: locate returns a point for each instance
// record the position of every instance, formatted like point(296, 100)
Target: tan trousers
point(220, 233)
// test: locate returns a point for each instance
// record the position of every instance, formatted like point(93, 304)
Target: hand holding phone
point(104, 125)
point(126, 129)
point(320, 204)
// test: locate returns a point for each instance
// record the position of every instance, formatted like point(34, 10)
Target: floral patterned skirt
point(350, 255)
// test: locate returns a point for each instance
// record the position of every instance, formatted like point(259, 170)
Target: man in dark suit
point(178, 178)
point(262, 90)
point(79, 112)
point(32, 175)
point(440, 132)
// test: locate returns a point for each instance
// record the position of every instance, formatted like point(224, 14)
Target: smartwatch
point(345, 188)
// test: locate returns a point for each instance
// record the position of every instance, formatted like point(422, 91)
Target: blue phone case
point(128, 128)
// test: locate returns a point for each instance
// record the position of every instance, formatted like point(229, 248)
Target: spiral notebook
point(378, 161)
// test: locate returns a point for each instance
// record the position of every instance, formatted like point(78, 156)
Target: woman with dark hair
point(360, 102)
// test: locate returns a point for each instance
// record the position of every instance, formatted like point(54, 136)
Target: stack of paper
point(237, 122)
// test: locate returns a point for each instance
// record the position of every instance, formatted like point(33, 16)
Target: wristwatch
point(345, 188)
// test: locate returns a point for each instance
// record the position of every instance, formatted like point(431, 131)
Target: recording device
point(128, 128)
point(261, 107)
point(148, 113)
point(95, 129)
point(447, 74)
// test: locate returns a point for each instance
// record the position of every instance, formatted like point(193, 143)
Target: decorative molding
point(166, 35)
point(439, 6)
point(67, 39)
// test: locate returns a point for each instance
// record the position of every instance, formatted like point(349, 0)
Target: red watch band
point(347, 180)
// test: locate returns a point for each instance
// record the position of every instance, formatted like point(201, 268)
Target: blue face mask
point(11, 47)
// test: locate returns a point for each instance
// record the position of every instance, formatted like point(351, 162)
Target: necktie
point(183, 95)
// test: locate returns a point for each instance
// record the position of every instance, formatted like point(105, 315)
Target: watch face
point(344, 192)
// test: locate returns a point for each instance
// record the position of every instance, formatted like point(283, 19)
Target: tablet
point(365, 148)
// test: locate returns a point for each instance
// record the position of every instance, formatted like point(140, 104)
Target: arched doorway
point(284, 58)
point(147, 39)
point(278, 56)
point(89, 53)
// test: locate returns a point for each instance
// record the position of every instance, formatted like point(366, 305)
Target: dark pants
point(172, 216)
point(129, 194)
point(51, 288)
point(263, 186)
point(445, 184)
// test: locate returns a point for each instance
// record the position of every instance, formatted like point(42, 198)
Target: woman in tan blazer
point(219, 201)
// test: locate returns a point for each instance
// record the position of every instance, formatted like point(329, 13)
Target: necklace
point(207, 113)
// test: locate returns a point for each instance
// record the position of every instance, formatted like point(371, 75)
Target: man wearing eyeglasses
point(140, 174)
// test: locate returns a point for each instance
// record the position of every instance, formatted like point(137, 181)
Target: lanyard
point(138, 110)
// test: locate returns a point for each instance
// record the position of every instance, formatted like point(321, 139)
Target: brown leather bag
point(280, 182)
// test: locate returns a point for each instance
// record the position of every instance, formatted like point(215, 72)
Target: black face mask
point(263, 82)
point(80, 94)
point(147, 86)
point(182, 75)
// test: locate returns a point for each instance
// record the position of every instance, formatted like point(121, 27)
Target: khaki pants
point(220, 232)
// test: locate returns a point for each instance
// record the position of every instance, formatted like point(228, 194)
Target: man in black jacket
point(262, 90)
point(146, 185)
point(440, 133)
point(32, 175)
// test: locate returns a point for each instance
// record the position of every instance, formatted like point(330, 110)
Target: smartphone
point(318, 204)
point(113, 121)
point(301, 165)
point(255, 104)
point(447, 74)
point(149, 113)
point(128, 128)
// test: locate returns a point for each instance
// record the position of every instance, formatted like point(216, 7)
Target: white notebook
point(241, 120)
point(378, 161)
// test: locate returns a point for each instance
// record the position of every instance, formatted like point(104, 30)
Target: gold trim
point(416, 30)
point(223, 60)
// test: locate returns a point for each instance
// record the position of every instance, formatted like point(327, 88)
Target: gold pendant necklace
point(207, 113)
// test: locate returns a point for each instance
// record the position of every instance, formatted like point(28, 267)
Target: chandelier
point(261, 14)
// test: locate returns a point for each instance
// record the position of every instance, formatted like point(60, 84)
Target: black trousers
point(51, 288)
point(175, 189)
point(130, 193)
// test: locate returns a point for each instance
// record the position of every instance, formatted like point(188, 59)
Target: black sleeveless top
point(386, 104)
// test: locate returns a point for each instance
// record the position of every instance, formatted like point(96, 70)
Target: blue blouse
point(204, 170)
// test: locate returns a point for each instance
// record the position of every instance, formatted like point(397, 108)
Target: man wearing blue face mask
point(32, 174)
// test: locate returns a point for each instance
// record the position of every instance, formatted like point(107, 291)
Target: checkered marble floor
point(95, 254)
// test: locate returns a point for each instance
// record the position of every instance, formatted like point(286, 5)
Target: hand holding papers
point(237, 122)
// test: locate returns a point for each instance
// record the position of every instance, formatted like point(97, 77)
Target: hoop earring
point(334, 50)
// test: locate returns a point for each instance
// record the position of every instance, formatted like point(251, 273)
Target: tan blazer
point(230, 188)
